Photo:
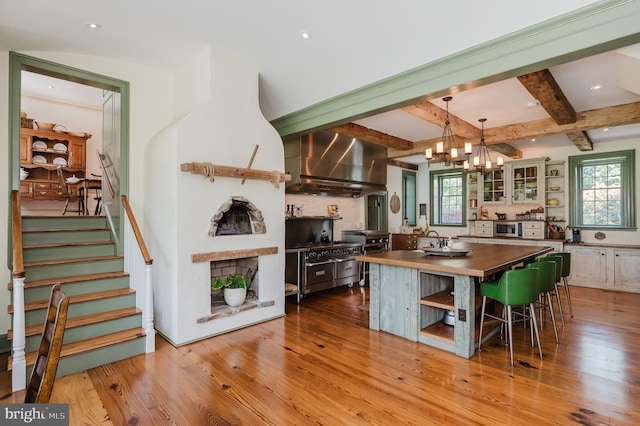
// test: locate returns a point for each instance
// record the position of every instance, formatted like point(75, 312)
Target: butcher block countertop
point(482, 261)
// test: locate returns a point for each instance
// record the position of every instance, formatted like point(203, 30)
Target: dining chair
point(69, 196)
point(44, 370)
point(566, 271)
point(546, 280)
point(516, 287)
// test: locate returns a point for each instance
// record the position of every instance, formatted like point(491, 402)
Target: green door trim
point(19, 62)
point(594, 29)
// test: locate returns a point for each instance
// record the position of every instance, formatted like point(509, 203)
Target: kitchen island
point(411, 292)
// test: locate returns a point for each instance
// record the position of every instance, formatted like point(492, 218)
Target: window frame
point(408, 205)
point(434, 197)
point(626, 159)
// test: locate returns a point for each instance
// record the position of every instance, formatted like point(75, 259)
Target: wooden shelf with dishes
point(555, 195)
point(42, 152)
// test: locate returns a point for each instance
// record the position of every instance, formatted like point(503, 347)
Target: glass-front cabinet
point(519, 182)
point(493, 187)
point(526, 183)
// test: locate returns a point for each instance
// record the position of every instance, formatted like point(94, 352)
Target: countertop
point(483, 260)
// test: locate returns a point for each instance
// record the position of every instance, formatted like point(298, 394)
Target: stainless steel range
point(372, 241)
point(314, 267)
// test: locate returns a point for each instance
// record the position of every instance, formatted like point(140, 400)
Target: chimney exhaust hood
point(327, 163)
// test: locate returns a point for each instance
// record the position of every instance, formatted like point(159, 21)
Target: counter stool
point(546, 280)
point(514, 288)
point(566, 271)
point(559, 265)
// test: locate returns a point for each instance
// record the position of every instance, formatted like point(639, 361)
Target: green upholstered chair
point(546, 286)
point(514, 288)
point(559, 266)
point(566, 271)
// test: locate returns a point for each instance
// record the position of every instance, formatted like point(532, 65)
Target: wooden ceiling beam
point(546, 90)
point(379, 138)
point(435, 115)
point(402, 164)
point(619, 115)
point(581, 140)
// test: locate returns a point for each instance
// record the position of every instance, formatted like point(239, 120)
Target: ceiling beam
point(435, 115)
point(581, 140)
point(546, 90)
point(506, 150)
point(402, 164)
point(619, 115)
point(373, 136)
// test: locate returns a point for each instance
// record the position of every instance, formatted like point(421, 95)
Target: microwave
point(508, 229)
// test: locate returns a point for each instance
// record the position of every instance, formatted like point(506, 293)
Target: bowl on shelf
point(553, 201)
point(555, 188)
point(45, 126)
point(23, 174)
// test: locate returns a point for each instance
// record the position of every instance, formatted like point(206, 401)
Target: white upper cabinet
point(519, 182)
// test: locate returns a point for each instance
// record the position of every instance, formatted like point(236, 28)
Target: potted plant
point(234, 288)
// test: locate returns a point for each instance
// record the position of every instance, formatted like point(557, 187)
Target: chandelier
point(482, 162)
point(447, 149)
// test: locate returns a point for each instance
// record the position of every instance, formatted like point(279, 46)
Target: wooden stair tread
point(72, 279)
point(54, 245)
point(42, 304)
point(74, 322)
point(69, 261)
point(90, 344)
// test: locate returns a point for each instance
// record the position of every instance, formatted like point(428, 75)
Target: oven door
point(347, 271)
point(319, 275)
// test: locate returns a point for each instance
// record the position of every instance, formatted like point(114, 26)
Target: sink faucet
point(440, 241)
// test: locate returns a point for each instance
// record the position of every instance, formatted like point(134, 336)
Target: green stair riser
point(72, 236)
point(74, 289)
point(90, 330)
point(29, 223)
point(67, 252)
point(85, 308)
point(85, 361)
point(72, 269)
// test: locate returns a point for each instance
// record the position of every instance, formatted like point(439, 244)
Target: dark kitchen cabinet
point(404, 241)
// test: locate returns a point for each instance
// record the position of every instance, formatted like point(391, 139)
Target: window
point(448, 193)
point(602, 190)
point(409, 196)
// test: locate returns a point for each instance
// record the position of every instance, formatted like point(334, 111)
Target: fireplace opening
point(246, 266)
point(237, 216)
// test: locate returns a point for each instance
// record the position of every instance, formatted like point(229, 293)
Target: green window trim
point(409, 204)
point(436, 178)
point(626, 161)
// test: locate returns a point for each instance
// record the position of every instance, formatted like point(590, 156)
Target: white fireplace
point(181, 209)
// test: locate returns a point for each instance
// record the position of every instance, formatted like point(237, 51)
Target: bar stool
point(546, 278)
point(559, 262)
point(566, 271)
point(514, 288)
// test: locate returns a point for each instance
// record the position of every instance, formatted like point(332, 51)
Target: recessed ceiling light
point(597, 86)
point(93, 25)
point(605, 130)
point(533, 104)
point(51, 86)
point(305, 35)
point(533, 139)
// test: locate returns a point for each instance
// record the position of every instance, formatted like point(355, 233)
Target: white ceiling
point(353, 43)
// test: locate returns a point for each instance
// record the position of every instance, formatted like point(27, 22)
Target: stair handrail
point(19, 360)
point(136, 231)
point(147, 306)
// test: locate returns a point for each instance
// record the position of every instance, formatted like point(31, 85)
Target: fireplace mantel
point(232, 254)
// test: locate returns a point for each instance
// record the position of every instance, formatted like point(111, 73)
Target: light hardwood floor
point(322, 365)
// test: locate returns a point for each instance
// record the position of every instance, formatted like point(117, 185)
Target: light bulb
point(488, 164)
point(476, 161)
point(454, 152)
point(468, 148)
point(440, 147)
point(428, 154)
point(466, 164)
point(500, 161)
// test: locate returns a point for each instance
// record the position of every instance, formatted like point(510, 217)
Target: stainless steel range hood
point(327, 163)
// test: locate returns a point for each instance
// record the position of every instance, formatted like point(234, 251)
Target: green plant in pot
point(234, 288)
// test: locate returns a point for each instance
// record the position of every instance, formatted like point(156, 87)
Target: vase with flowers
point(234, 288)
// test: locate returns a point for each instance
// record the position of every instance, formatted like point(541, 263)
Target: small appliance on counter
point(576, 235)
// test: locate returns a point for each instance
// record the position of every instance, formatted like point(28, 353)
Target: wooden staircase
point(103, 323)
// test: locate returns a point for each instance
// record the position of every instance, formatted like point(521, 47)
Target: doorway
point(377, 219)
point(113, 124)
